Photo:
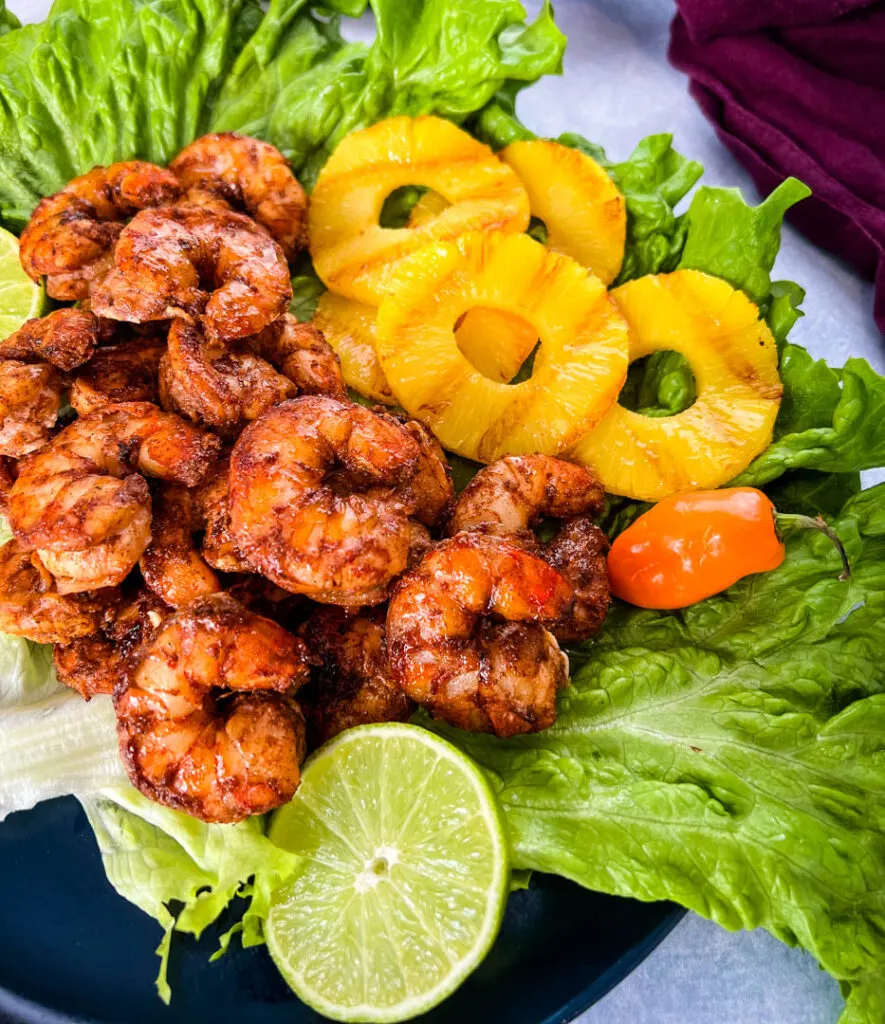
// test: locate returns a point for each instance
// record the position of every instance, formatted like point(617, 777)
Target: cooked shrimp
point(98, 664)
point(8, 473)
point(125, 372)
point(213, 507)
point(171, 565)
point(301, 353)
point(250, 174)
point(30, 400)
point(224, 389)
point(429, 493)
point(212, 386)
point(220, 269)
point(31, 606)
point(350, 682)
point(337, 539)
point(450, 650)
point(70, 235)
point(82, 503)
point(65, 338)
point(511, 496)
point(578, 551)
point(208, 724)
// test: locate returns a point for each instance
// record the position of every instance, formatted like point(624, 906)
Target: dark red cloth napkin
point(798, 87)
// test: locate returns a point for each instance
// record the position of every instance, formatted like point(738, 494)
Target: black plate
point(72, 950)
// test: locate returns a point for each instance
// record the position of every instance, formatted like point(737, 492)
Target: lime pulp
point(20, 298)
point(404, 878)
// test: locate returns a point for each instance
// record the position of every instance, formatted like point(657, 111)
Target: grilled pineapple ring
point(734, 359)
point(497, 343)
point(349, 327)
point(352, 253)
point(582, 208)
point(578, 371)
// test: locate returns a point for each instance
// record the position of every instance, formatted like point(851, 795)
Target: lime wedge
point(20, 298)
point(405, 875)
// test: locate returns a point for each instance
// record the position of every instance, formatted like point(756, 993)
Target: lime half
point(405, 875)
point(20, 298)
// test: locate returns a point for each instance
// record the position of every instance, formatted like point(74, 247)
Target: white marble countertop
point(618, 88)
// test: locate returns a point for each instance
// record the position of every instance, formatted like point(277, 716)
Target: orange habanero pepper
point(691, 546)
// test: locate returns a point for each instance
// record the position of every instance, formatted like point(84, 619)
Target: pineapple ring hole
point(660, 384)
point(500, 345)
point(410, 206)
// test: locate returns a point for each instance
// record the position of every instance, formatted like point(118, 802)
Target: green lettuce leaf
point(154, 856)
point(728, 238)
point(815, 432)
point(99, 81)
point(730, 757)
point(56, 745)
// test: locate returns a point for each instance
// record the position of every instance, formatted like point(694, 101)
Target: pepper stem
point(790, 520)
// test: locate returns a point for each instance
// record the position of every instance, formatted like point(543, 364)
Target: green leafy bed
point(730, 757)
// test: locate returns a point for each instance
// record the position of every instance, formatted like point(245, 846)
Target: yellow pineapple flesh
point(580, 205)
point(734, 359)
point(349, 327)
point(578, 372)
point(352, 253)
point(495, 342)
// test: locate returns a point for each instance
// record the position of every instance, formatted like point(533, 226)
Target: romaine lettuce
point(730, 757)
point(154, 857)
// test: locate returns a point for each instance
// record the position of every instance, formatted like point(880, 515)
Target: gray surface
point(617, 88)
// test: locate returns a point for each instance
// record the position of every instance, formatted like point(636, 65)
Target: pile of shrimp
point(209, 530)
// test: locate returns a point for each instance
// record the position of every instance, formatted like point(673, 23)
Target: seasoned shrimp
point(350, 682)
point(188, 262)
point(171, 565)
point(511, 496)
point(70, 235)
point(30, 400)
point(8, 472)
point(301, 353)
point(208, 723)
point(65, 338)
point(429, 493)
point(252, 175)
point(82, 503)
point(224, 389)
point(316, 501)
point(213, 508)
point(31, 606)
point(466, 635)
point(99, 663)
point(212, 386)
point(125, 372)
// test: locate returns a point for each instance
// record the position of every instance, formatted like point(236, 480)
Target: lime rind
point(399, 942)
point(20, 297)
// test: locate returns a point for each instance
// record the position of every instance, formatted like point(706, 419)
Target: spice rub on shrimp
point(82, 502)
point(512, 495)
point(350, 680)
point(31, 605)
point(319, 500)
point(30, 401)
point(65, 338)
point(212, 498)
point(208, 723)
point(71, 234)
point(467, 636)
point(250, 174)
point(202, 265)
point(124, 372)
point(99, 663)
point(223, 388)
point(171, 565)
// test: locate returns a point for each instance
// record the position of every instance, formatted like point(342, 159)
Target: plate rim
point(619, 971)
